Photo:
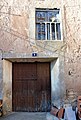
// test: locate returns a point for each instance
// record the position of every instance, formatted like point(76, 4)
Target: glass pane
point(38, 37)
point(48, 31)
point(40, 16)
point(53, 31)
point(40, 31)
point(53, 15)
point(50, 16)
point(58, 31)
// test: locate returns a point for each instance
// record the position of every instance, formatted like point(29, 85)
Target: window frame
point(49, 22)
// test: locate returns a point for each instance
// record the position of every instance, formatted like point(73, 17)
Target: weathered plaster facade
point(73, 50)
point(7, 86)
point(17, 42)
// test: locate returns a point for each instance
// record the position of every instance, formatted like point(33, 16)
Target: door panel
point(31, 87)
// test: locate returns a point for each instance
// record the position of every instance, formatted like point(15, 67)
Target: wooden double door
point(31, 87)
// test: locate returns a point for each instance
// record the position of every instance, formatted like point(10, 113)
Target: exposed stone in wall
point(73, 49)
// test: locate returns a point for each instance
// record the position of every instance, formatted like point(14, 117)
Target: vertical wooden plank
point(43, 79)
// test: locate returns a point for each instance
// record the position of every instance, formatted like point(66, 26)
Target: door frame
point(7, 81)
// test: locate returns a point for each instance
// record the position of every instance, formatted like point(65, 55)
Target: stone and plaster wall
point(1, 78)
point(73, 45)
point(7, 86)
point(17, 41)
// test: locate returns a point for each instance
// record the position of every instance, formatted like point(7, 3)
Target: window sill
point(50, 40)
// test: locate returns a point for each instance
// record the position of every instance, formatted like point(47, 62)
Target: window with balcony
point(48, 24)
